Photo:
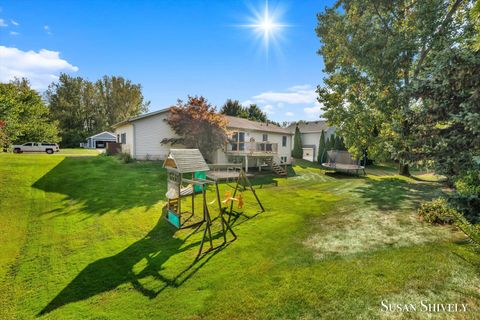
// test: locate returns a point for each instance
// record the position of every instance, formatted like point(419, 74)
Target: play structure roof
point(186, 160)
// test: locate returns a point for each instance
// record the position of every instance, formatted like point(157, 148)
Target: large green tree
point(84, 108)
point(235, 109)
point(256, 114)
point(475, 20)
point(446, 117)
point(24, 116)
point(373, 50)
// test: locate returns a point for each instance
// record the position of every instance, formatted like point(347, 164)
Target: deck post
point(246, 163)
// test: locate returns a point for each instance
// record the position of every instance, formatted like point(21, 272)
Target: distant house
point(310, 132)
point(251, 143)
point(99, 141)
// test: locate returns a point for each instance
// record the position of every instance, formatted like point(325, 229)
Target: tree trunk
point(404, 170)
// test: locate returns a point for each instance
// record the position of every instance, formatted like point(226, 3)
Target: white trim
point(98, 134)
point(146, 115)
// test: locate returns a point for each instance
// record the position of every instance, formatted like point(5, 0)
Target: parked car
point(36, 147)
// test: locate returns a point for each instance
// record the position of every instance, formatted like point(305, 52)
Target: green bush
point(467, 198)
point(471, 230)
point(125, 157)
point(437, 211)
point(469, 184)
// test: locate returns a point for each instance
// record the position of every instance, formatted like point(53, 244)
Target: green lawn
point(82, 238)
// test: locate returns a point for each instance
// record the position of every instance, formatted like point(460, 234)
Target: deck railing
point(244, 148)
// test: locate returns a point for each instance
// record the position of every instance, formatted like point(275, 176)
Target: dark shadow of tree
point(102, 184)
point(108, 273)
point(393, 193)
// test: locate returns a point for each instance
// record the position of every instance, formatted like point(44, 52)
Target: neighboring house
point(252, 143)
point(99, 141)
point(310, 132)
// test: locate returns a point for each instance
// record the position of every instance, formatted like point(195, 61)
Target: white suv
point(36, 147)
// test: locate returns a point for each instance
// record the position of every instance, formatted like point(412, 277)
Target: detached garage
point(99, 141)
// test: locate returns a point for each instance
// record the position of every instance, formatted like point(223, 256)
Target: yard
point(82, 238)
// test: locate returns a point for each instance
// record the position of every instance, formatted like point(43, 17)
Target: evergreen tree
point(256, 114)
point(297, 151)
point(330, 142)
point(234, 108)
point(322, 152)
point(337, 143)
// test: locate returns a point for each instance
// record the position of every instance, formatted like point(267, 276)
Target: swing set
point(187, 166)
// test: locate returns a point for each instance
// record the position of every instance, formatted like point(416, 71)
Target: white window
point(238, 141)
point(124, 138)
point(283, 159)
point(284, 141)
point(265, 137)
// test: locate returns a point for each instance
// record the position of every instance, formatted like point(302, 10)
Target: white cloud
point(293, 95)
point(15, 23)
point(300, 87)
point(2, 23)
point(295, 98)
point(268, 109)
point(14, 33)
point(47, 29)
point(41, 67)
point(313, 112)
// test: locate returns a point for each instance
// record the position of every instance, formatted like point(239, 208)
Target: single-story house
point(99, 141)
point(251, 143)
point(310, 132)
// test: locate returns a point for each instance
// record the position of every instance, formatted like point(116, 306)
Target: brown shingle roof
point(241, 123)
point(233, 122)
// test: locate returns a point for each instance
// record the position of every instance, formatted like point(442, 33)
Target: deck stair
point(276, 168)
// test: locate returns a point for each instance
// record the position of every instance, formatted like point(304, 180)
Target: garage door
point(308, 154)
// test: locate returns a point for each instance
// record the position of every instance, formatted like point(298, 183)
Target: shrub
point(125, 157)
point(469, 184)
point(437, 211)
point(472, 231)
point(467, 198)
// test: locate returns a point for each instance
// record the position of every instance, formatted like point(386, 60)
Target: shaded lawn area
point(82, 238)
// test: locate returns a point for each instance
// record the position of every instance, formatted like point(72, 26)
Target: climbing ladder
point(279, 170)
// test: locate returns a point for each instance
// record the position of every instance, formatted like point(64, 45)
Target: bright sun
point(266, 26)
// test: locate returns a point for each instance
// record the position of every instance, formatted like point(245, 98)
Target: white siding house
point(251, 142)
point(310, 132)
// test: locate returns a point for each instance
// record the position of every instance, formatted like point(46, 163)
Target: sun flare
point(266, 25)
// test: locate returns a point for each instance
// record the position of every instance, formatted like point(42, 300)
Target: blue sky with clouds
point(173, 48)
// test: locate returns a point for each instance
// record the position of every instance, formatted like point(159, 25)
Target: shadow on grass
point(108, 273)
point(103, 184)
point(392, 193)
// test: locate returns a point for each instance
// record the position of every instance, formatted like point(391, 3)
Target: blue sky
point(172, 48)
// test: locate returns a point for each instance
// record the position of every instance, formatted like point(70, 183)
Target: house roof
point(145, 115)
point(309, 126)
point(233, 122)
point(241, 123)
point(104, 135)
point(186, 160)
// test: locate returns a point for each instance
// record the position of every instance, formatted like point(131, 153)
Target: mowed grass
point(82, 238)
